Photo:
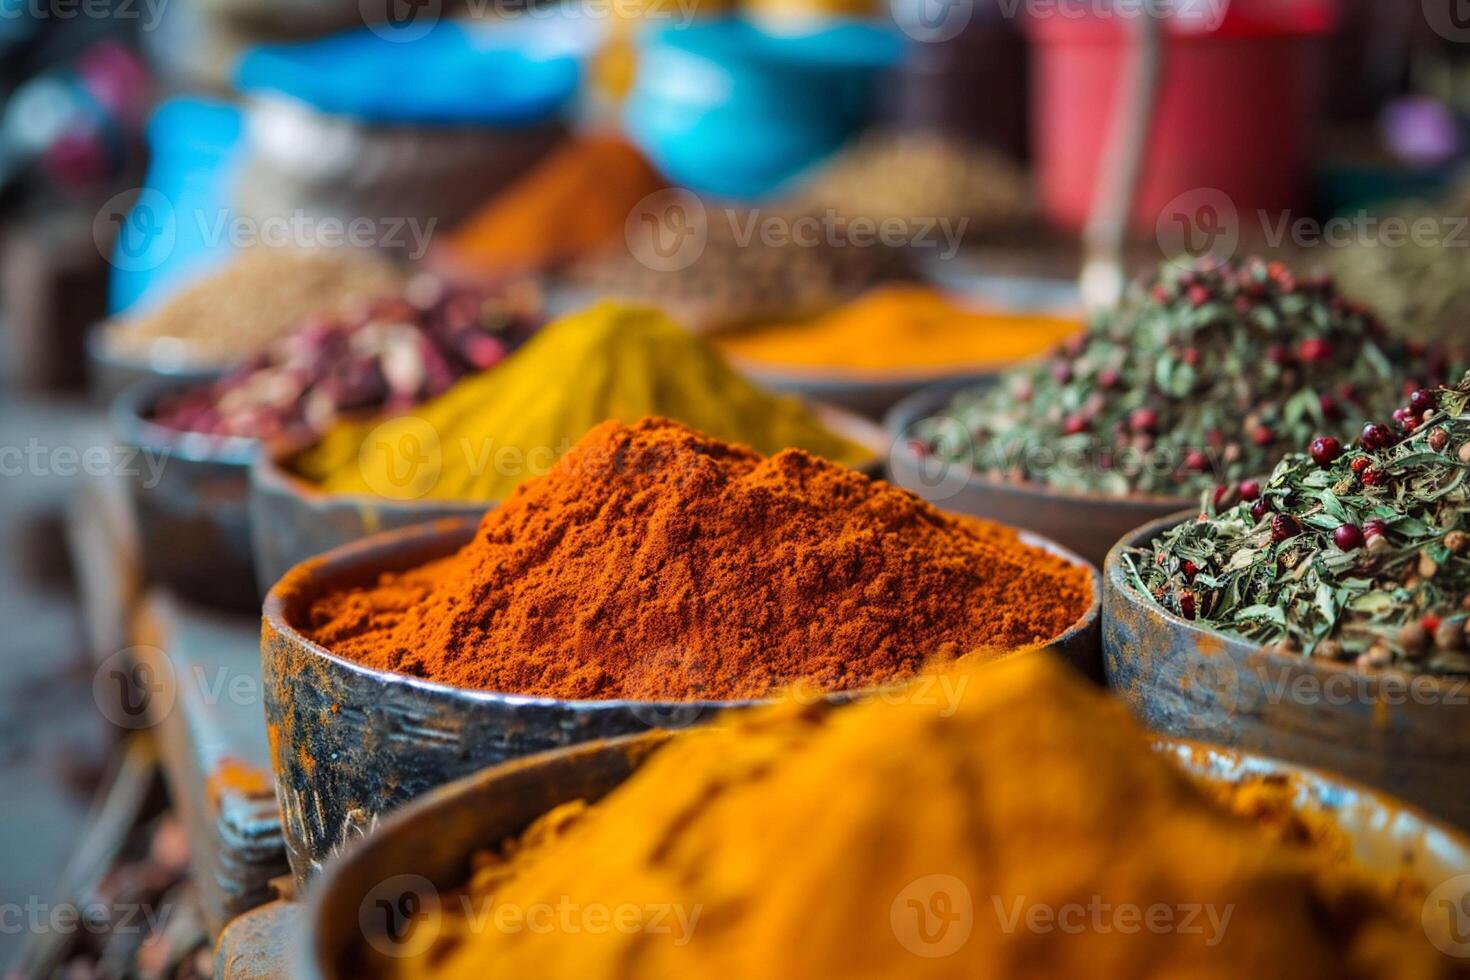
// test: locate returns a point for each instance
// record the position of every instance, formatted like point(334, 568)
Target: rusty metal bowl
point(349, 743)
point(426, 848)
point(1408, 735)
point(194, 521)
point(1089, 524)
point(292, 520)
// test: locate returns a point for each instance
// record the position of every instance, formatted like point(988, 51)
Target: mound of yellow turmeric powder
point(900, 328)
point(494, 430)
point(1005, 820)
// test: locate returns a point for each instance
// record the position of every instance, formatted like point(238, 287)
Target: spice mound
point(391, 353)
point(1203, 376)
point(753, 265)
point(576, 200)
point(1021, 826)
point(1356, 553)
point(494, 430)
point(656, 563)
point(898, 328)
point(919, 178)
point(265, 292)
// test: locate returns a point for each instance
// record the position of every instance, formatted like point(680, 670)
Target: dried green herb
point(1203, 376)
point(1361, 555)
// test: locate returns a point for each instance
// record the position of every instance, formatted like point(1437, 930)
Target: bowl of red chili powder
point(651, 579)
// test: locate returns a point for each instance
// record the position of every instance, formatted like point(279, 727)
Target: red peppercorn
point(1278, 354)
point(1438, 439)
point(1196, 461)
point(1262, 435)
point(1430, 623)
point(1189, 570)
point(1190, 356)
point(1374, 477)
point(1260, 509)
point(1242, 305)
point(1143, 420)
point(1330, 409)
point(1250, 490)
point(1061, 372)
point(1108, 378)
point(1315, 349)
point(1324, 450)
point(1360, 463)
point(1376, 436)
point(1198, 296)
point(1284, 526)
point(1422, 400)
point(1348, 537)
point(1400, 415)
point(1160, 293)
point(1074, 424)
point(1186, 604)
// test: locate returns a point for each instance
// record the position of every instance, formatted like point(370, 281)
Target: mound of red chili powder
point(656, 563)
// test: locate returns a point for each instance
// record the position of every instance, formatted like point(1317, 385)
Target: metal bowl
point(866, 393)
point(349, 743)
point(429, 844)
point(292, 520)
point(1408, 735)
point(111, 373)
point(1089, 524)
point(192, 513)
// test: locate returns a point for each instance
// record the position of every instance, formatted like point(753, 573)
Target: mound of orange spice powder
point(656, 563)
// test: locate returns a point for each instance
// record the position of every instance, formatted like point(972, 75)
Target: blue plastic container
point(175, 231)
point(725, 108)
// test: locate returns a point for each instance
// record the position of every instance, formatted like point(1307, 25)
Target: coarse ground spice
point(228, 315)
point(659, 564)
point(1021, 827)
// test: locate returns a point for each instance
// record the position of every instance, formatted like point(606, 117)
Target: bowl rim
point(128, 416)
point(909, 410)
point(1116, 582)
point(451, 533)
point(1190, 755)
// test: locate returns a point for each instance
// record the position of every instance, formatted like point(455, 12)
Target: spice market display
point(495, 429)
point(760, 488)
point(656, 563)
point(734, 829)
point(1356, 552)
point(896, 330)
point(1204, 375)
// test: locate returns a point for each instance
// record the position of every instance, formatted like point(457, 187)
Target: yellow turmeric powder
point(494, 430)
point(901, 328)
point(1005, 820)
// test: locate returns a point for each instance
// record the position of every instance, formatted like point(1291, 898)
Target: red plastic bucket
point(1238, 98)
